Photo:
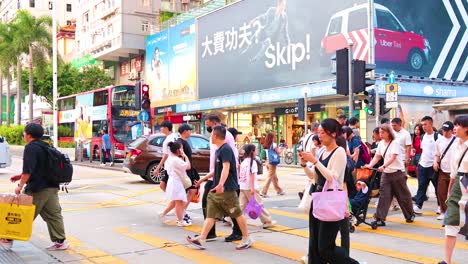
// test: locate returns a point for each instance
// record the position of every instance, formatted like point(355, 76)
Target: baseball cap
point(447, 126)
point(184, 127)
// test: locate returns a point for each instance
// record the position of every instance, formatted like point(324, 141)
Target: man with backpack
point(426, 162)
point(37, 181)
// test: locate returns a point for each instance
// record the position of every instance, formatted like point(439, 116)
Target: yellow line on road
point(133, 196)
point(107, 205)
point(92, 255)
point(172, 247)
point(366, 247)
point(415, 223)
point(425, 213)
point(259, 245)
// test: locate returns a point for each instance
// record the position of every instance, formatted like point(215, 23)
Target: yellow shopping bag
point(16, 221)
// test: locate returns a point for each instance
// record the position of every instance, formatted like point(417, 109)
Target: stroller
point(360, 212)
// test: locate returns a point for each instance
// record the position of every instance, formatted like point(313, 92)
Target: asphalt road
point(111, 217)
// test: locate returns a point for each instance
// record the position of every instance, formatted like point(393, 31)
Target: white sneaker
point(438, 210)
point(417, 210)
point(162, 218)
point(304, 260)
point(245, 243)
point(112, 164)
point(58, 246)
point(6, 243)
point(183, 223)
point(270, 224)
point(441, 216)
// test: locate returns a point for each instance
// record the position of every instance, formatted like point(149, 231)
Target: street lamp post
point(54, 71)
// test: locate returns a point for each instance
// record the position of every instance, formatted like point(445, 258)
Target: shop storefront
point(177, 119)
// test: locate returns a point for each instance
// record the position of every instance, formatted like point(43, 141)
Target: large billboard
point(256, 45)
point(422, 38)
point(170, 65)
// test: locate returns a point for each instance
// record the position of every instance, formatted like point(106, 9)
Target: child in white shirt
point(248, 184)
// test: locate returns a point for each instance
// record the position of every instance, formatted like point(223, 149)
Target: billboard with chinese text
point(170, 65)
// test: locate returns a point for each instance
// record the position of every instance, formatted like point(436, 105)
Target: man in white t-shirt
point(426, 163)
point(403, 137)
point(443, 157)
point(166, 129)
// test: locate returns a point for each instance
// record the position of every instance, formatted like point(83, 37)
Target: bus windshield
point(123, 97)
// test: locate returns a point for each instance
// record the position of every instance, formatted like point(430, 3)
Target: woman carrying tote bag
point(328, 170)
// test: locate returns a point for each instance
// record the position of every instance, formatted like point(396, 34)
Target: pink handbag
point(329, 206)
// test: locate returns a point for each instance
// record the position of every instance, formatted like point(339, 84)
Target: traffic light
point(137, 93)
point(342, 74)
point(145, 100)
point(370, 102)
point(360, 80)
point(383, 108)
point(300, 109)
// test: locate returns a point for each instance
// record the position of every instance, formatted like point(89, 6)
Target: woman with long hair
point(393, 181)
point(329, 167)
point(417, 138)
point(270, 144)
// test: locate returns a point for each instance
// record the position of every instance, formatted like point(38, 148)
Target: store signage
point(294, 110)
point(164, 109)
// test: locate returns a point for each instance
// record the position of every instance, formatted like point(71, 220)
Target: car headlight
point(426, 43)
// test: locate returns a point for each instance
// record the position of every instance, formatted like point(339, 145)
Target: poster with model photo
point(170, 65)
point(422, 38)
point(254, 45)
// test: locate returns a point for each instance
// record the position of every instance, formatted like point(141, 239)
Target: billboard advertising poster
point(83, 114)
point(422, 38)
point(254, 45)
point(170, 64)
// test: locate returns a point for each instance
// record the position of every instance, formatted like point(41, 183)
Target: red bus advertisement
point(81, 118)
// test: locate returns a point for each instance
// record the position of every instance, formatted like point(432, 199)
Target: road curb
point(97, 166)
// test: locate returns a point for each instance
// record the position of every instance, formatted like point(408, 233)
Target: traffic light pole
point(350, 76)
point(305, 114)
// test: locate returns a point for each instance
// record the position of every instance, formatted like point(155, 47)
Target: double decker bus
point(83, 116)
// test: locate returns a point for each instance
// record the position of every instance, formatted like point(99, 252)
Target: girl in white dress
point(176, 165)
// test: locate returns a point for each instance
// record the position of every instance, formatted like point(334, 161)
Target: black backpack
point(61, 170)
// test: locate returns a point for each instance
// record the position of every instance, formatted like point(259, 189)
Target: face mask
point(209, 129)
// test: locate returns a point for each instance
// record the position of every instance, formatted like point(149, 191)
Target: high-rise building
point(65, 9)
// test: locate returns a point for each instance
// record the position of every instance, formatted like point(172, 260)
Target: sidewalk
point(24, 253)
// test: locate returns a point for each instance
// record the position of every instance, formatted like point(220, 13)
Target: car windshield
point(357, 20)
point(137, 142)
point(335, 26)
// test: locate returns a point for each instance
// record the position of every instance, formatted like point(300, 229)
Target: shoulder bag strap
point(445, 152)
point(461, 159)
point(307, 141)
point(383, 157)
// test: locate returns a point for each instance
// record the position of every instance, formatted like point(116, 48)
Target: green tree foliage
point(70, 80)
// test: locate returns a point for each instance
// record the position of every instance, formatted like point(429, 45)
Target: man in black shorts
point(185, 131)
point(222, 199)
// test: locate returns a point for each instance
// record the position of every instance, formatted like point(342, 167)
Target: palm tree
point(32, 37)
point(6, 63)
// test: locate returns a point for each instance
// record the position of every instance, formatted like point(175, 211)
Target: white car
point(5, 156)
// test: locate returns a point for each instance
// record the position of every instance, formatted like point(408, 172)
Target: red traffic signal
point(145, 99)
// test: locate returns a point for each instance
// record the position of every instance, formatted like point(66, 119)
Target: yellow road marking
point(92, 256)
point(259, 245)
point(172, 247)
point(365, 247)
point(416, 223)
point(134, 195)
point(424, 213)
point(107, 205)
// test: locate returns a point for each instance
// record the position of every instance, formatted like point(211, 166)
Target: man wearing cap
point(166, 129)
point(185, 131)
point(442, 159)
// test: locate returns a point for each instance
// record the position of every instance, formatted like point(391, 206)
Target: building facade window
point(145, 26)
point(69, 7)
point(32, 3)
